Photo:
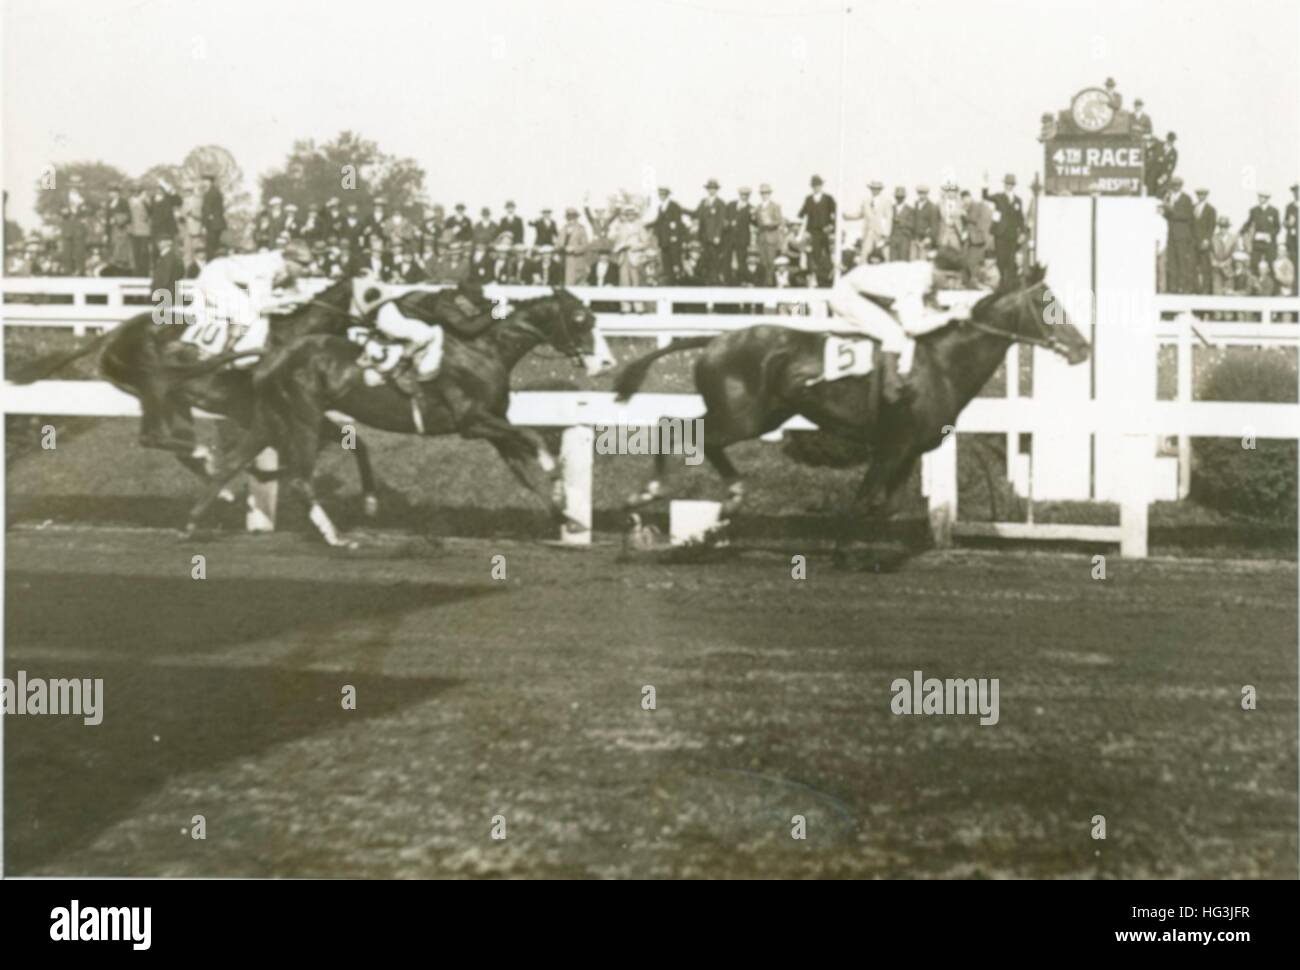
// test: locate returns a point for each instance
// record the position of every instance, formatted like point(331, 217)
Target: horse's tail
point(44, 366)
point(186, 372)
point(630, 379)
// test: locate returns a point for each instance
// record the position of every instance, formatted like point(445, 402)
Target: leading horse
point(754, 380)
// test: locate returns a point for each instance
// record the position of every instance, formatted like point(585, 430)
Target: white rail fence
point(93, 304)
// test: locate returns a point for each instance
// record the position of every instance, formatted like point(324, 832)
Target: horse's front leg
point(524, 453)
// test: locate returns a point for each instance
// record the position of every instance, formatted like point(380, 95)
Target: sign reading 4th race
point(1082, 165)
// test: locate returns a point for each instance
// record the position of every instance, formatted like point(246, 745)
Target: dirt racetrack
point(522, 698)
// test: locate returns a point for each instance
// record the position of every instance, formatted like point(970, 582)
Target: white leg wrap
point(323, 524)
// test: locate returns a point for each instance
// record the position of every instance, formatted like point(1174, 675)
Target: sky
point(544, 102)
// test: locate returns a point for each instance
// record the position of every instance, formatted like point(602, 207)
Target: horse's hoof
point(370, 506)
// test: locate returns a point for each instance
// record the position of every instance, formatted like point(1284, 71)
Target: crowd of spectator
point(1204, 253)
point(626, 241)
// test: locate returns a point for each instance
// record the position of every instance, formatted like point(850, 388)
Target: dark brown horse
point(754, 380)
point(297, 384)
point(144, 357)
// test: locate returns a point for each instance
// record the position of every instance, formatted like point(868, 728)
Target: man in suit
point(376, 227)
point(1259, 234)
point(141, 257)
point(818, 222)
point(736, 240)
point(1180, 244)
point(977, 221)
point(462, 229)
point(670, 233)
point(900, 228)
point(1141, 122)
point(926, 223)
point(162, 212)
point(293, 222)
point(512, 224)
point(213, 216)
point(353, 229)
point(711, 220)
point(874, 214)
point(771, 233)
point(545, 229)
point(499, 266)
point(1293, 231)
point(1223, 246)
point(168, 270)
point(1204, 220)
point(1008, 228)
point(574, 245)
point(331, 218)
point(1168, 162)
point(603, 271)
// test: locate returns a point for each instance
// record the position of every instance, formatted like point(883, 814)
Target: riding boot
point(891, 386)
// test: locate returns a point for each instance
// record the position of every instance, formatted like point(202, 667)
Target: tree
point(350, 168)
point(95, 179)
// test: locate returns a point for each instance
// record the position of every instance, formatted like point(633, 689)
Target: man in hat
point(771, 233)
point(875, 214)
point(485, 230)
point(1167, 162)
point(1116, 99)
point(1292, 230)
point(212, 215)
point(1008, 227)
point(711, 219)
point(737, 238)
point(163, 210)
point(512, 223)
point(1204, 221)
point(460, 225)
point(951, 233)
point(375, 232)
point(603, 271)
point(1223, 247)
point(1141, 122)
point(141, 258)
point(331, 219)
point(574, 245)
point(233, 294)
point(926, 223)
point(168, 271)
point(817, 221)
point(977, 220)
point(670, 232)
point(545, 230)
point(117, 225)
point(353, 229)
point(293, 223)
point(74, 236)
point(1260, 231)
point(1180, 243)
point(901, 223)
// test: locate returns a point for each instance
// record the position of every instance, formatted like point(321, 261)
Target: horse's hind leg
point(369, 490)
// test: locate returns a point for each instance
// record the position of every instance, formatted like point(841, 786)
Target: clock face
point(1092, 110)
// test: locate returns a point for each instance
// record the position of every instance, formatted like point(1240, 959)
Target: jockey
point(405, 314)
point(235, 292)
point(909, 288)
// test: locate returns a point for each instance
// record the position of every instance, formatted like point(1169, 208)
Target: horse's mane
point(1037, 273)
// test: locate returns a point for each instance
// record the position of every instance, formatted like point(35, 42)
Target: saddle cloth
point(847, 357)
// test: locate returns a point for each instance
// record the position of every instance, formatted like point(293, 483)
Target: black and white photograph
point(651, 440)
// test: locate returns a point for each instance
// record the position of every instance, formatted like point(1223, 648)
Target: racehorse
point(143, 356)
point(298, 383)
point(754, 380)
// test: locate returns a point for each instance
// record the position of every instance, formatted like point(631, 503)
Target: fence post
point(939, 484)
point(1186, 321)
point(1137, 451)
point(262, 495)
point(576, 447)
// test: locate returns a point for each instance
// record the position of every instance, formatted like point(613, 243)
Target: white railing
point(1010, 414)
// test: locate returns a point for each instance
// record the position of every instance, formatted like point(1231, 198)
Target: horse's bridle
point(1047, 343)
point(569, 350)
